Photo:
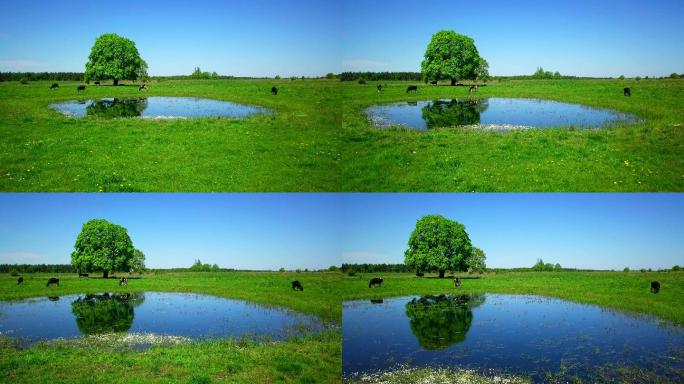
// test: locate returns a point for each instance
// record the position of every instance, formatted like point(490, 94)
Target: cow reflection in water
point(441, 320)
point(105, 313)
point(111, 108)
point(450, 113)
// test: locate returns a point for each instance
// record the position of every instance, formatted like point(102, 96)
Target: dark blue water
point(156, 107)
point(517, 334)
point(499, 114)
point(173, 314)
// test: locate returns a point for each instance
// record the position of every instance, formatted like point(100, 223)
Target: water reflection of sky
point(511, 333)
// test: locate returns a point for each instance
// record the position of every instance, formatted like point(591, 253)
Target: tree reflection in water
point(105, 313)
point(449, 113)
point(439, 321)
point(112, 108)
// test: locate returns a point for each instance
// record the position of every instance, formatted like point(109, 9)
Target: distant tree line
point(368, 268)
point(380, 76)
point(34, 76)
point(32, 268)
point(199, 267)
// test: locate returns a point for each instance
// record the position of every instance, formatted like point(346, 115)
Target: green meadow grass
point(627, 291)
point(312, 358)
point(646, 156)
point(294, 149)
point(319, 139)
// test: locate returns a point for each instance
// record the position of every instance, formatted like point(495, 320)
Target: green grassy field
point(315, 358)
point(319, 139)
point(646, 156)
point(294, 149)
point(618, 290)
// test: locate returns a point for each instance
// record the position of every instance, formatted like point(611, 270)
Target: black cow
point(274, 91)
point(123, 281)
point(420, 274)
point(82, 274)
point(20, 280)
point(142, 87)
point(297, 286)
point(457, 282)
point(473, 88)
point(433, 82)
point(655, 287)
point(627, 91)
point(80, 88)
point(379, 87)
point(97, 83)
point(52, 281)
point(375, 282)
point(54, 85)
point(412, 88)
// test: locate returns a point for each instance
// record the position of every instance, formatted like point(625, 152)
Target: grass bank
point(628, 291)
point(314, 358)
point(294, 149)
point(645, 156)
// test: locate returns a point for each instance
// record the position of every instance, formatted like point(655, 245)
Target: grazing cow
point(54, 85)
point(142, 87)
point(82, 274)
point(379, 87)
point(412, 88)
point(375, 282)
point(297, 286)
point(473, 88)
point(52, 281)
point(433, 82)
point(80, 88)
point(376, 301)
point(627, 91)
point(420, 274)
point(20, 280)
point(123, 281)
point(457, 282)
point(97, 83)
point(274, 91)
point(655, 287)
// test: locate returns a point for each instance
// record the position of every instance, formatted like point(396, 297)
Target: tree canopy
point(102, 247)
point(116, 58)
point(453, 56)
point(438, 243)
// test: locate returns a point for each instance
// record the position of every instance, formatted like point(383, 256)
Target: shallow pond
point(188, 315)
point(518, 334)
point(497, 114)
point(156, 107)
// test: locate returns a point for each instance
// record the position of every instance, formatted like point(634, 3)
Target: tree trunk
point(453, 82)
point(116, 81)
point(441, 274)
point(105, 274)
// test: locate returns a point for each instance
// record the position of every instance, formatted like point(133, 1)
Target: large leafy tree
point(438, 243)
point(102, 247)
point(114, 57)
point(452, 56)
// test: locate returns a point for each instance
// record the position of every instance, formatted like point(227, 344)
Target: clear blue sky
point(244, 38)
point(313, 37)
point(598, 231)
point(247, 231)
point(579, 37)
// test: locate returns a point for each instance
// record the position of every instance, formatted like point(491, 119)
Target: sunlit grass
point(645, 156)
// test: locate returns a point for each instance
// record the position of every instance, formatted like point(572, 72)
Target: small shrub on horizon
point(351, 273)
point(281, 269)
point(14, 273)
point(362, 81)
point(626, 269)
point(676, 268)
point(24, 80)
